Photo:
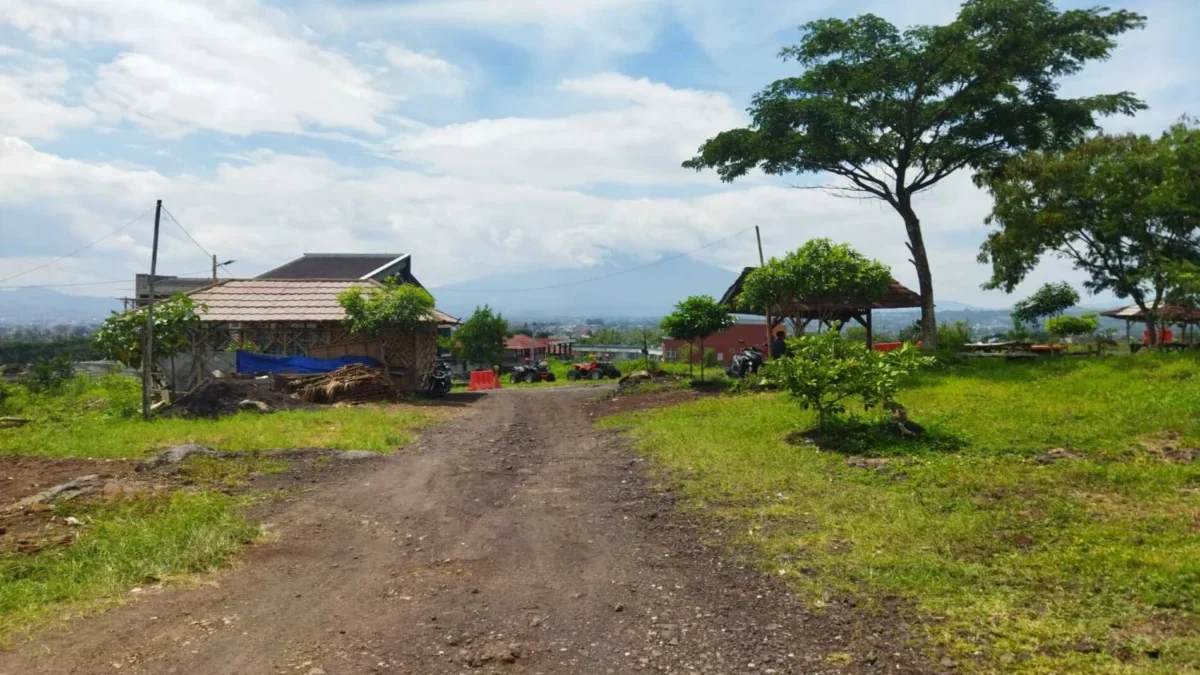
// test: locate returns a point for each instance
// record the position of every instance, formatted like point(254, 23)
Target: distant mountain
point(622, 288)
point(40, 305)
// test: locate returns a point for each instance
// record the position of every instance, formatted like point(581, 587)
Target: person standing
point(779, 347)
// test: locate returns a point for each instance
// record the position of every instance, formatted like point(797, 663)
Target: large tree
point(480, 339)
point(893, 112)
point(1124, 209)
point(1048, 301)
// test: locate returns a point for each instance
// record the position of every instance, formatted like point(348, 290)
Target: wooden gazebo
point(898, 297)
point(1168, 315)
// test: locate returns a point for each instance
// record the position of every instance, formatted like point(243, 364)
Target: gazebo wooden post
point(870, 332)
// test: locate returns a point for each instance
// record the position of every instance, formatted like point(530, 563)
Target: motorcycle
point(437, 383)
point(746, 363)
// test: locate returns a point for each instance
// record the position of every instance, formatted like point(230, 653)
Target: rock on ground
point(175, 455)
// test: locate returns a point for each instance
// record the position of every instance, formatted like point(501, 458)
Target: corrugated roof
point(333, 266)
point(302, 300)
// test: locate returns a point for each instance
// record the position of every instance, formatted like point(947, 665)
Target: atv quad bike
point(531, 373)
point(593, 370)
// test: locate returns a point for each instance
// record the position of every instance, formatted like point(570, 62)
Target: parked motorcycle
point(437, 383)
point(746, 363)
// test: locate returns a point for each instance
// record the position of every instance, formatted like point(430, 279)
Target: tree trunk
point(691, 358)
point(920, 260)
point(701, 359)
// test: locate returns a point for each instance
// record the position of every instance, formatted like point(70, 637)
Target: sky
point(481, 136)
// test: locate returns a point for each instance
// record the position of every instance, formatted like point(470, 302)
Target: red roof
point(520, 342)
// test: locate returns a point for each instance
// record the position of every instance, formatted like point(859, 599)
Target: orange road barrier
point(483, 379)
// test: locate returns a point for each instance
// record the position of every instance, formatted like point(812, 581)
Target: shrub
point(1072, 326)
point(50, 374)
point(953, 336)
point(824, 371)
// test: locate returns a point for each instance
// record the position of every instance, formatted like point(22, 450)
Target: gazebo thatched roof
point(898, 296)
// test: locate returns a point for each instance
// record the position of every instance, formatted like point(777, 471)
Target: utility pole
point(214, 267)
point(767, 311)
point(148, 350)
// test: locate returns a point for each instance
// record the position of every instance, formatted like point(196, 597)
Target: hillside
point(42, 305)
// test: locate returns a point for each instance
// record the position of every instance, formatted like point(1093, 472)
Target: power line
point(599, 278)
point(78, 250)
point(182, 229)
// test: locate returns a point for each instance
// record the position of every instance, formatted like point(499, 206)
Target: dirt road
point(514, 539)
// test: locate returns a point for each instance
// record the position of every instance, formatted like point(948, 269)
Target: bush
point(50, 374)
point(1072, 326)
point(953, 336)
point(824, 371)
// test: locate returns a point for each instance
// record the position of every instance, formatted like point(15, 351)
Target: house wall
point(410, 354)
point(725, 344)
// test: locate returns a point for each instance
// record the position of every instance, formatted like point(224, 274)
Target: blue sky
point(480, 135)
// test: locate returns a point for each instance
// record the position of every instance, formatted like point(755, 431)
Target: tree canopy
point(1049, 300)
point(122, 336)
point(892, 113)
point(395, 305)
point(697, 317)
point(817, 272)
point(480, 339)
point(1123, 209)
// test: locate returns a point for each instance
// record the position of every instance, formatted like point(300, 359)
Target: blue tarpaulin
point(265, 363)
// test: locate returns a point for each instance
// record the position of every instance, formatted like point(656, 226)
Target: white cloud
point(413, 73)
point(270, 207)
point(233, 66)
point(640, 136)
point(30, 97)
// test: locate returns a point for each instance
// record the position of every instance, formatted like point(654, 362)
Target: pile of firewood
point(353, 383)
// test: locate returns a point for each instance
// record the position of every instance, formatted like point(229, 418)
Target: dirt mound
point(222, 397)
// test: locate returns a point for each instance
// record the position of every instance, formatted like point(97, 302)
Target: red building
point(725, 344)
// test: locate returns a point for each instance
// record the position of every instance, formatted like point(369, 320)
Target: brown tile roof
point(281, 300)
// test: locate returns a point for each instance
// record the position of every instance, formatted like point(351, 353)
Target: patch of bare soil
point(222, 397)
point(634, 400)
point(1169, 447)
point(513, 540)
point(29, 530)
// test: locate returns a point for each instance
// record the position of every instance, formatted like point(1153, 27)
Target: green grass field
point(121, 545)
point(1085, 564)
point(101, 419)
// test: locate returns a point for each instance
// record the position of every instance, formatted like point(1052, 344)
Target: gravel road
point(512, 539)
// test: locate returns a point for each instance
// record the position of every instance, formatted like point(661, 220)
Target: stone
point(356, 455)
point(316, 671)
point(175, 455)
point(69, 490)
point(252, 405)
